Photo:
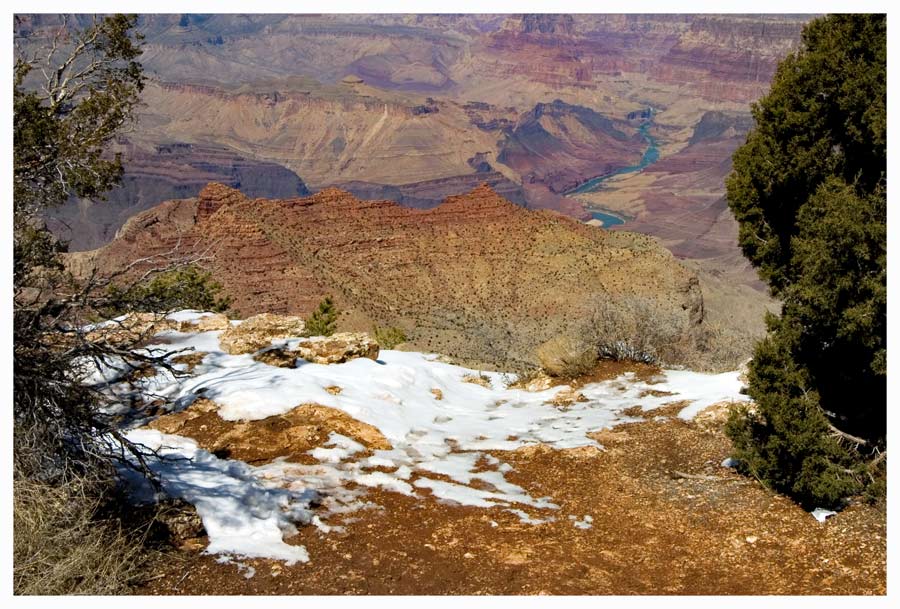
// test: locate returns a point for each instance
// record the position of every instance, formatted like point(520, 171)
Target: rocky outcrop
point(721, 57)
point(216, 321)
point(430, 193)
point(728, 58)
point(259, 331)
point(288, 436)
point(326, 136)
point(477, 278)
point(337, 348)
point(134, 327)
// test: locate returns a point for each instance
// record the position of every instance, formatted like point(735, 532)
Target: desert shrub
point(389, 337)
point(323, 321)
point(787, 442)
point(63, 544)
point(188, 287)
point(636, 329)
point(641, 329)
point(72, 96)
point(567, 357)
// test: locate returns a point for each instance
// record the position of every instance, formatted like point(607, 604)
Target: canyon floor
point(653, 532)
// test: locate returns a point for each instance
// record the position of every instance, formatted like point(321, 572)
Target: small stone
point(752, 539)
point(468, 555)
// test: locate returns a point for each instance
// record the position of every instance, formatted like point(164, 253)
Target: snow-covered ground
point(248, 510)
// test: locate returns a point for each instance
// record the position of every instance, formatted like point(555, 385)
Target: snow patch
point(439, 446)
point(821, 514)
point(240, 514)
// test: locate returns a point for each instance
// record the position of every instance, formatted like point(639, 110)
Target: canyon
point(418, 108)
point(476, 278)
point(415, 107)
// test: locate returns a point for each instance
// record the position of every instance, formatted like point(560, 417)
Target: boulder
point(478, 379)
point(538, 381)
point(216, 321)
point(567, 357)
point(338, 348)
point(181, 522)
point(277, 356)
point(290, 435)
point(133, 327)
point(257, 332)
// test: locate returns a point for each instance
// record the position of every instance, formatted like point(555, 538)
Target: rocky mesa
point(476, 278)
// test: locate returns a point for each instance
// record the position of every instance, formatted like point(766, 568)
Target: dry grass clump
point(389, 337)
point(567, 357)
point(63, 546)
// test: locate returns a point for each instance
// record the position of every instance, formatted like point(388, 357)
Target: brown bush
point(641, 329)
point(567, 357)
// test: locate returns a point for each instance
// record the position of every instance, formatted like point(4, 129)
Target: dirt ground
point(667, 519)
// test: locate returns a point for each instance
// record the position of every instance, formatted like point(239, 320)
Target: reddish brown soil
point(654, 532)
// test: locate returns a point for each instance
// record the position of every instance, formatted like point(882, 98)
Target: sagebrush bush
point(389, 337)
point(640, 329)
point(567, 357)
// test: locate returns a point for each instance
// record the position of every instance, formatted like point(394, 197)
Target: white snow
point(344, 447)
point(730, 462)
point(240, 514)
point(821, 514)
point(438, 445)
point(584, 523)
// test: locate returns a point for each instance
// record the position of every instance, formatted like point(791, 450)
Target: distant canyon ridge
point(415, 108)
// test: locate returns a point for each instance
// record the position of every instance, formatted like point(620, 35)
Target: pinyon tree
point(809, 192)
point(323, 321)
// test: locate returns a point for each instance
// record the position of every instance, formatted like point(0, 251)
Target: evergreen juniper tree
point(809, 192)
